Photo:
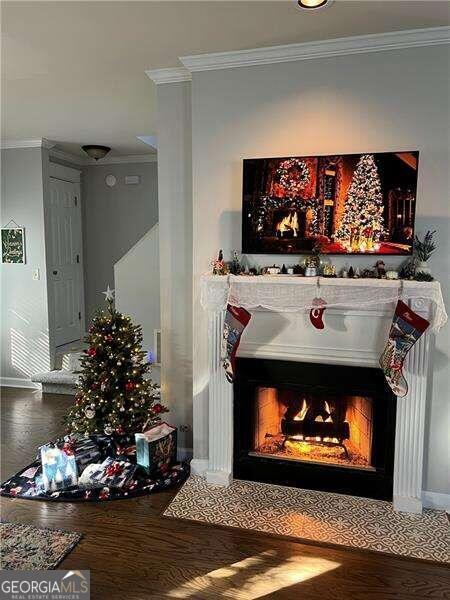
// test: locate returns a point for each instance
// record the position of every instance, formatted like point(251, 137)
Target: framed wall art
point(13, 244)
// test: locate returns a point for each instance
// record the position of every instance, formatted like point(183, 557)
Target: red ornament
point(92, 351)
point(109, 338)
point(157, 408)
point(120, 430)
point(129, 386)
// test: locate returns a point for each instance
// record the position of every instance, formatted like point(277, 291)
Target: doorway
point(64, 256)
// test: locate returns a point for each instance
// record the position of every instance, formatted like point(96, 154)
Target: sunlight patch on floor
point(254, 577)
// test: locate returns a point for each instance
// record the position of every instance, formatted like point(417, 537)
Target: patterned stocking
point(236, 320)
point(407, 327)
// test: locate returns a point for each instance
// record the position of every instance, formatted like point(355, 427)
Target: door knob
point(55, 272)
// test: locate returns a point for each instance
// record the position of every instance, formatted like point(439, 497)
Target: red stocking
point(316, 313)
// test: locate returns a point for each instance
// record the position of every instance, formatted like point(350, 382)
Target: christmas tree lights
point(114, 395)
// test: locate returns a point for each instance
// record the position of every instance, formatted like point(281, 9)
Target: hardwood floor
point(135, 554)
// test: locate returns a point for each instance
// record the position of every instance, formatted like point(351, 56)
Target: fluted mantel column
point(220, 408)
point(410, 423)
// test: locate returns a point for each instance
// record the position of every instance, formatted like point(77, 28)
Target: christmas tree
point(114, 395)
point(362, 222)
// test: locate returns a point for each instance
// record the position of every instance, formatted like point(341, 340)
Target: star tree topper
point(109, 294)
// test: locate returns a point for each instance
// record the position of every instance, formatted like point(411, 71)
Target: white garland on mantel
point(294, 294)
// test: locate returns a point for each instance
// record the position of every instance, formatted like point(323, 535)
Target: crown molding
point(108, 160)
point(130, 158)
point(361, 44)
point(67, 156)
point(30, 143)
point(173, 75)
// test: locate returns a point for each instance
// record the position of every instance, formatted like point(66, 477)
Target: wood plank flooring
point(135, 554)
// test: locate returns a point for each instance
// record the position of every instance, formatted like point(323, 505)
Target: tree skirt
point(27, 483)
point(29, 548)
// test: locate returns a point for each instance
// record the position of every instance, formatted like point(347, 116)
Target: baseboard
point(218, 477)
point(17, 382)
point(184, 453)
point(436, 500)
point(199, 466)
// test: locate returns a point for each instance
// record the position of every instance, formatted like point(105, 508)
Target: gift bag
point(156, 449)
point(59, 468)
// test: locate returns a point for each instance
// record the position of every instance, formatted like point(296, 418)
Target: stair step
point(63, 354)
point(71, 361)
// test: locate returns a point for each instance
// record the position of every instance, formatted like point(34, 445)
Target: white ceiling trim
point(130, 158)
point(360, 44)
point(72, 158)
point(108, 160)
point(30, 143)
point(172, 75)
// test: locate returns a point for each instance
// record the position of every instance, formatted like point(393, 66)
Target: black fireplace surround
point(312, 378)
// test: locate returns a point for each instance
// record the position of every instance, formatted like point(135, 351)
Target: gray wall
point(24, 314)
point(385, 101)
point(114, 219)
point(175, 250)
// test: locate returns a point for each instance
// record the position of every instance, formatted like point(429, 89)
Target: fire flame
point(289, 223)
point(301, 415)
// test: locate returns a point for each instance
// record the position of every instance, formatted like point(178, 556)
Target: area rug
point(24, 547)
point(316, 516)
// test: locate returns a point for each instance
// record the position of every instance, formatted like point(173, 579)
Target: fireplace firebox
point(314, 426)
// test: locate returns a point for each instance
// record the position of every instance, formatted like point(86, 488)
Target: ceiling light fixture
point(312, 4)
point(96, 152)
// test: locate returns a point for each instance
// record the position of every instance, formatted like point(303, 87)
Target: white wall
point(114, 219)
point(385, 101)
point(136, 281)
point(24, 314)
point(175, 234)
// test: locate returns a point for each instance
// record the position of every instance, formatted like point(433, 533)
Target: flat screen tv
point(345, 204)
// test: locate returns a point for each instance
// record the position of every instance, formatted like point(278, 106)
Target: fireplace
point(315, 426)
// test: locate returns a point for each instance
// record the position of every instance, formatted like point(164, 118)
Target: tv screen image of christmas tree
point(342, 204)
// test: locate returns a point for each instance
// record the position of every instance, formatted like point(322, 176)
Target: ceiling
point(74, 72)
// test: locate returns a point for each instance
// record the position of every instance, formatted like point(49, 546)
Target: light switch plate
point(36, 274)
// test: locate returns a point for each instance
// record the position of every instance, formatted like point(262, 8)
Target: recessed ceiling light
point(312, 4)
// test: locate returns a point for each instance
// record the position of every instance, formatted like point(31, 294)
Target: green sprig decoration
point(423, 249)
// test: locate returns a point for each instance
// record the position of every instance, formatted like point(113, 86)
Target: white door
point(65, 277)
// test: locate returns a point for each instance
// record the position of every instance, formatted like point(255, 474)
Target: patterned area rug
point(24, 547)
point(316, 516)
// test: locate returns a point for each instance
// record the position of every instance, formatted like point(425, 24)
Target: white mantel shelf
point(290, 293)
point(365, 304)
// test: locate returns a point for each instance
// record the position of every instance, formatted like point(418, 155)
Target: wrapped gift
point(156, 449)
point(59, 468)
point(90, 477)
point(112, 472)
point(85, 449)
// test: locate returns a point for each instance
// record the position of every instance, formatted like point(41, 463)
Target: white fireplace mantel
point(358, 317)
